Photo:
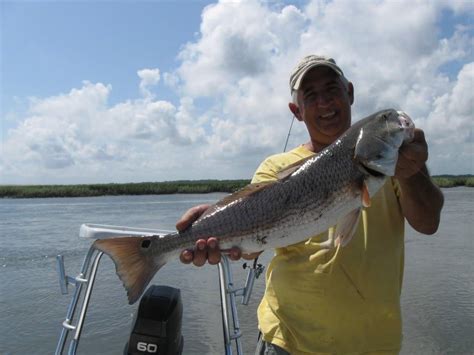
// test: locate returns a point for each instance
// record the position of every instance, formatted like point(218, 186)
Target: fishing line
point(289, 131)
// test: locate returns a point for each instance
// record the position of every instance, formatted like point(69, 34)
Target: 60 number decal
point(148, 347)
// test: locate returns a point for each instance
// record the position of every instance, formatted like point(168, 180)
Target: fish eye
point(146, 244)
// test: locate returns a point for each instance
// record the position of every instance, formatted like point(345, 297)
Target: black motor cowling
point(157, 324)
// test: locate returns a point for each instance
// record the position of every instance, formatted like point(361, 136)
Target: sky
point(122, 91)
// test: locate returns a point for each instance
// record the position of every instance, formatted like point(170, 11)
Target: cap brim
point(335, 68)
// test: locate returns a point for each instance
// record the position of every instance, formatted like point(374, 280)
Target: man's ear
point(295, 110)
point(350, 91)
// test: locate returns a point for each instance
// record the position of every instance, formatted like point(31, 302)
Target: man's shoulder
point(272, 165)
point(290, 157)
point(278, 157)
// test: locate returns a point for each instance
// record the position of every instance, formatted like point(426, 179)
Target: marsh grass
point(454, 180)
point(167, 187)
point(144, 188)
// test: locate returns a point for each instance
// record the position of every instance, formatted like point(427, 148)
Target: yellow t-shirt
point(340, 301)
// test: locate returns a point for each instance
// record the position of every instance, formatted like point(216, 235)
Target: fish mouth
point(406, 123)
point(371, 171)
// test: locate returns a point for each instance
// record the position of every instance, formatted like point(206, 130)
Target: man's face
point(324, 105)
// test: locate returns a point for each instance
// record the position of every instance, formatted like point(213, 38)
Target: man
point(347, 300)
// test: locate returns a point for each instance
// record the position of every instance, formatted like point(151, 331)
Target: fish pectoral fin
point(134, 266)
point(330, 242)
point(365, 195)
point(347, 226)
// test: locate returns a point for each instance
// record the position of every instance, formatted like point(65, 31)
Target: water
point(438, 306)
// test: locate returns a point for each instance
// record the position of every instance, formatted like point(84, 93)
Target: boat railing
point(87, 275)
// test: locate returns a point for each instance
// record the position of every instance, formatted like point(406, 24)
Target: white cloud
point(460, 6)
point(149, 77)
point(239, 65)
point(78, 137)
point(394, 58)
point(450, 124)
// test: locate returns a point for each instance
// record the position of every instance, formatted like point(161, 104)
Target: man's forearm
point(421, 201)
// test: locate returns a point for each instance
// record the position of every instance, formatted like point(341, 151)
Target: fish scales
point(326, 189)
point(295, 202)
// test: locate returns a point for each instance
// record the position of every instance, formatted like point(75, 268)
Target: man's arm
point(421, 200)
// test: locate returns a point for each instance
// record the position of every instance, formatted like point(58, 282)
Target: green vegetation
point(454, 180)
point(144, 188)
point(167, 187)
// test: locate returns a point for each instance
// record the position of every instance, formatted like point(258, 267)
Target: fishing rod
point(289, 132)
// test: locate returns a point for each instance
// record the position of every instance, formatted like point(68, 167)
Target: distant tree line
point(454, 180)
point(143, 188)
point(166, 187)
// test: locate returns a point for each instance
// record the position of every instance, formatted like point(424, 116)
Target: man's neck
point(314, 146)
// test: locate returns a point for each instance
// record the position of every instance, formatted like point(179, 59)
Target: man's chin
point(332, 130)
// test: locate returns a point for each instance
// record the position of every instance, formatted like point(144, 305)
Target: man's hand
point(421, 200)
point(412, 156)
point(205, 249)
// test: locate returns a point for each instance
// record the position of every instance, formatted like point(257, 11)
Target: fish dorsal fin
point(290, 169)
point(244, 192)
point(251, 189)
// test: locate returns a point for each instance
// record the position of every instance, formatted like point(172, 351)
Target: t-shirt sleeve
point(267, 171)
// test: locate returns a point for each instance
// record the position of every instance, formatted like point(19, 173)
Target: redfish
point(324, 190)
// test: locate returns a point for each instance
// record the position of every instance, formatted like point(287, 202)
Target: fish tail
point(134, 262)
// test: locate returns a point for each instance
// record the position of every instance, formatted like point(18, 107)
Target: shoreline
point(166, 187)
point(117, 189)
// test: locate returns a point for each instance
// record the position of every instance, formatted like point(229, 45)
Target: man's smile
point(328, 115)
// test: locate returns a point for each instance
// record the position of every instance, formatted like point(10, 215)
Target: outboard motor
point(157, 324)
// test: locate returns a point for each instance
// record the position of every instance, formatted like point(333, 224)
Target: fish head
point(379, 140)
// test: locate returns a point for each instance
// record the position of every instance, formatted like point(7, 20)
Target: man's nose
point(323, 100)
